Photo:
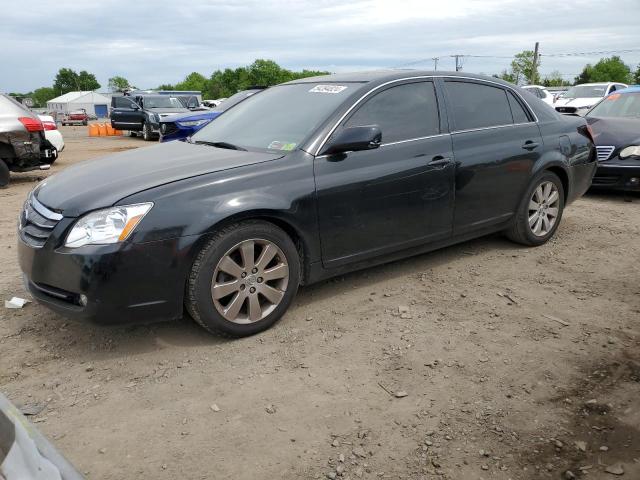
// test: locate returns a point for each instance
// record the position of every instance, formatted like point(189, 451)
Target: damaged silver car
point(23, 146)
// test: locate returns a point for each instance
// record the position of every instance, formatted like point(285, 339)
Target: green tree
point(611, 69)
point(42, 95)
point(66, 81)
point(554, 79)
point(193, 81)
point(118, 84)
point(636, 75)
point(522, 67)
point(507, 76)
point(166, 86)
point(87, 81)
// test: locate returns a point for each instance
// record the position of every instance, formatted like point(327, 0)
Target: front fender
point(282, 190)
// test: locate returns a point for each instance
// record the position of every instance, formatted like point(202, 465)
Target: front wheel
point(540, 211)
point(147, 134)
point(244, 279)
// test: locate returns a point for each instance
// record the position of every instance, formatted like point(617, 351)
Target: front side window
point(162, 102)
point(476, 105)
point(403, 112)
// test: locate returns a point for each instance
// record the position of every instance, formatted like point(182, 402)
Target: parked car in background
point(76, 117)
point(306, 180)
point(557, 92)
point(142, 113)
point(23, 146)
point(580, 98)
point(615, 122)
point(51, 132)
point(212, 103)
point(541, 92)
point(175, 127)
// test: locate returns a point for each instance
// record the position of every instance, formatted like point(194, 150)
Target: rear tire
point(253, 266)
point(4, 174)
point(540, 211)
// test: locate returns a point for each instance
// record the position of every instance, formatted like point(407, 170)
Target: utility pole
point(534, 69)
point(435, 63)
point(458, 63)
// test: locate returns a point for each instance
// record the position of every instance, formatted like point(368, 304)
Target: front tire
point(244, 279)
point(147, 134)
point(540, 211)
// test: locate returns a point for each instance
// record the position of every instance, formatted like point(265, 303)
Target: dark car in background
point(23, 145)
point(307, 180)
point(175, 127)
point(615, 123)
point(142, 113)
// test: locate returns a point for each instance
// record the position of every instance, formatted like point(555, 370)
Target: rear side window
point(519, 115)
point(476, 105)
point(404, 112)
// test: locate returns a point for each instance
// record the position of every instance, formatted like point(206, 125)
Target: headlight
point(111, 225)
point(630, 151)
point(192, 123)
point(154, 117)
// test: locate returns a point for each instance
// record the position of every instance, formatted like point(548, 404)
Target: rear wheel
point(540, 211)
point(4, 174)
point(244, 279)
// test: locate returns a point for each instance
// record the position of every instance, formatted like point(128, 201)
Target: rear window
point(476, 105)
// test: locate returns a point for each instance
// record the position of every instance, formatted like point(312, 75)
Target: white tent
point(94, 103)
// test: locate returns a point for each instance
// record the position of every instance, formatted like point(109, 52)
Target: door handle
point(439, 161)
point(529, 145)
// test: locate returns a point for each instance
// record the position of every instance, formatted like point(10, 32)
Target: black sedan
point(615, 123)
point(307, 180)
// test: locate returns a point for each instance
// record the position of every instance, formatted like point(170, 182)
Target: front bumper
point(108, 284)
point(616, 174)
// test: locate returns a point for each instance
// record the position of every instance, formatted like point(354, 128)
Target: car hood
point(208, 115)
point(103, 182)
point(613, 131)
point(577, 102)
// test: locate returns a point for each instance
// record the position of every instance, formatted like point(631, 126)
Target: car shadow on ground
point(89, 342)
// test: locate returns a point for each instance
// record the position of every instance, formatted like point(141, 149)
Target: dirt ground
point(484, 360)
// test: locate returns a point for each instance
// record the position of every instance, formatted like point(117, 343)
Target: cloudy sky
point(154, 42)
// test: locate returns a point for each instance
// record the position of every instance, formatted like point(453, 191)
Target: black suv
point(142, 113)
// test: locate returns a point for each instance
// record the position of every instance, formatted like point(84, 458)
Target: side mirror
point(353, 139)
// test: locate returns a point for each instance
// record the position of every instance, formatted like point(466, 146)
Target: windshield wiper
point(227, 145)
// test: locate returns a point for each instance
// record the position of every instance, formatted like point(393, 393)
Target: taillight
point(49, 125)
point(31, 124)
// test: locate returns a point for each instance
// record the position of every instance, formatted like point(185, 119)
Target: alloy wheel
point(544, 208)
point(250, 281)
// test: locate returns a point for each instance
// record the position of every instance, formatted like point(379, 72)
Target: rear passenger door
point(496, 142)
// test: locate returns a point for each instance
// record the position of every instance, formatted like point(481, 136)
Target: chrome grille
point(604, 152)
point(36, 223)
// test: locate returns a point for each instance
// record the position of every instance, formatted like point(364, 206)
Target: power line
point(582, 54)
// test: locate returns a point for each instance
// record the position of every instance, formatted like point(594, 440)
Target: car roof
point(634, 89)
point(597, 84)
point(383, 76)
point(534, 86)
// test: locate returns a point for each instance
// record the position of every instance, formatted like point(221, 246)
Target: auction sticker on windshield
point(277, 145)
point(328, 89)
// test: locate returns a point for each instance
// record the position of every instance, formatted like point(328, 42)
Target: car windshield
point(618, 105)
point(585, 91)
point(162, 102)
point(279, 118)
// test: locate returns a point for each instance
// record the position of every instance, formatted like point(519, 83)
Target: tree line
point(224, 83)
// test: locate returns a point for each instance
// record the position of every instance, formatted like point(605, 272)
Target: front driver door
point(394, 197)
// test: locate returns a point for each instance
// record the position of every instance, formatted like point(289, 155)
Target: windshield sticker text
point(328, 89)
